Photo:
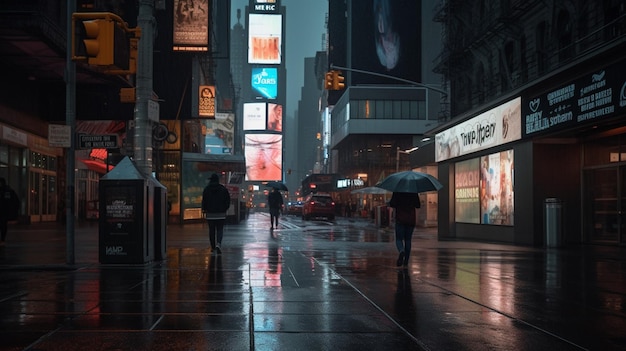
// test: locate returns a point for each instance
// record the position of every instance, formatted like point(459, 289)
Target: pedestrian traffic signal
point(328, 80)
point(338, 79)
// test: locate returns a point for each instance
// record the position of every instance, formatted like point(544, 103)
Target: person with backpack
point(9, 208)
point(215, 203)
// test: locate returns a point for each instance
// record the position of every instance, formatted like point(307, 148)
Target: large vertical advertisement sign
point(263, 153)
point(265, 82)
point(386, 38)
point(264, 38)
point(466, 191)
point(497, 188)
point(191, 25)
point(483, 189)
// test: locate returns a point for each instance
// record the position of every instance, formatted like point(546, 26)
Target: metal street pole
point(70, 120)
point(142, 148)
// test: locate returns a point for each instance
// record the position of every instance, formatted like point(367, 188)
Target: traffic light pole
point(142, 148)
point(442, 92)
point(70, 120)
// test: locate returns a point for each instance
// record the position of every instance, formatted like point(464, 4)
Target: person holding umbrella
point(275, 202)
point(405, 205)
point(405, 187)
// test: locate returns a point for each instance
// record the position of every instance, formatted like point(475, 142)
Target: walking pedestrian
point(9, 208)
point(405, 205)
point(275, 203)
point(215, 203)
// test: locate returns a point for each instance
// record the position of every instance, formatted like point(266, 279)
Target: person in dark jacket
point(215, 203)
point(405, 205)
point(9, 208)
point(275, 203)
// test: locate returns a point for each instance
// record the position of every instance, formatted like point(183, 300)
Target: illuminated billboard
point(497, 126)
point(496, 188)
point(206, 101)
point(191, 25)
point(264, 157)
point(386, 39)
point(466, 191)
point(254, 116)
point(275, 117)
point(218, 134)
point(264, 38)
point(265, 82)
point(483, 189)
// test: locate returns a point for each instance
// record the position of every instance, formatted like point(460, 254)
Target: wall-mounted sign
point(498, 126)
point(206, 101)
point(598, 95)
point(266, 5)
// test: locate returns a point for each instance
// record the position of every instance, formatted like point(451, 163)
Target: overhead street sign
point(108, 141)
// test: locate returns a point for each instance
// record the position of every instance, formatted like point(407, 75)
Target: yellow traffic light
point(338, 79)
point(98, 41)
point(328, 80)
point(103, 39)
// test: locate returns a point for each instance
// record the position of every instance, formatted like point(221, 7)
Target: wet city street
point(309, 285)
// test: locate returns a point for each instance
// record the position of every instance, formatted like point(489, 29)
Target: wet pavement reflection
point(310, 285)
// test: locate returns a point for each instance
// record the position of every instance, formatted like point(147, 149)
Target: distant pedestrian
point(275, 203)
point(405, 205)
point(9, 208)
point(215, 203)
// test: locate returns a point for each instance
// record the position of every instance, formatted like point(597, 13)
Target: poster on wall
point(264, 159)
point(466, 191)
point(496, 188)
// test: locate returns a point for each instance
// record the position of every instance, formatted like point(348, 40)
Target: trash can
point(553, 220)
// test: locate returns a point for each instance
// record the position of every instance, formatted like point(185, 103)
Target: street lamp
point(398, 152)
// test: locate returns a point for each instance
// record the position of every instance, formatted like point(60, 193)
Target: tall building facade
point(533, 153)
point(389, 102)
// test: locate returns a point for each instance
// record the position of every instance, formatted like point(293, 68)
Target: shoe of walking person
point(400, 260)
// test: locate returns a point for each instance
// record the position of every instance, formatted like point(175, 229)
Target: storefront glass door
point(43, 197)
point(605, 204)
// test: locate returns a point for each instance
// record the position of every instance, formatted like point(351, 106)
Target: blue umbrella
point(410, 182)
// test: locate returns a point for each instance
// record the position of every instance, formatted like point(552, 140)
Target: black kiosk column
point(126, 222)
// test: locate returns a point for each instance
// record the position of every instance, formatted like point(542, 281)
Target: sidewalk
point(310, 285)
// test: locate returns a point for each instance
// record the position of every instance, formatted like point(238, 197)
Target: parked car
point(294, 208)
point(318, 205)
